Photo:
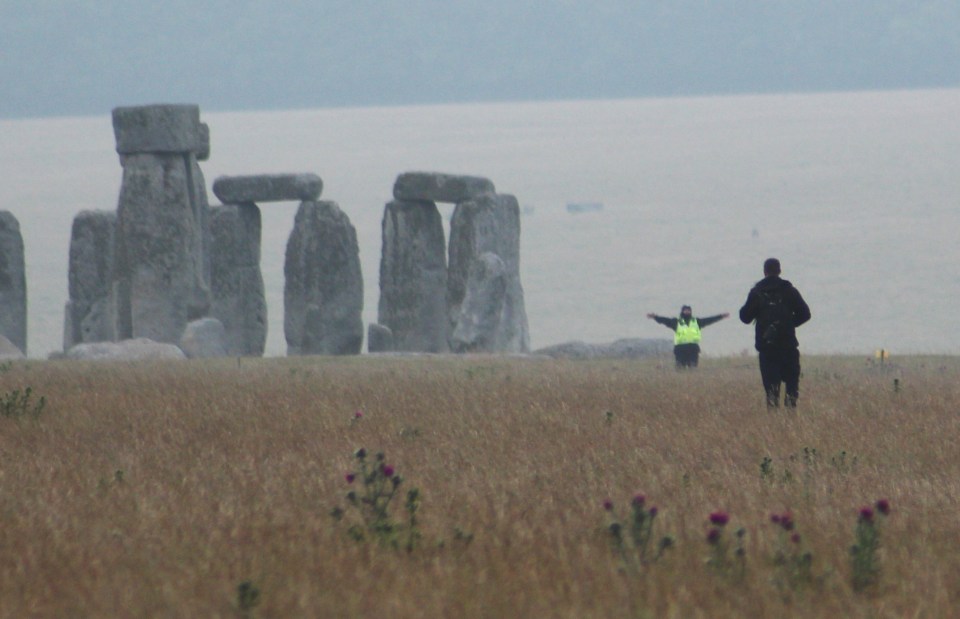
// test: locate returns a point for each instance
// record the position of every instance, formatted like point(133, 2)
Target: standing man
point(777, 309)
point(686, 338)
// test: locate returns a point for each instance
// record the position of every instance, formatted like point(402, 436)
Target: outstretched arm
point(709, 320)
point(670, 323)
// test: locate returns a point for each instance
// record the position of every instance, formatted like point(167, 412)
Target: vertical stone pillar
point(236, 283)
point(13, 283)
point(161, 266)
point(323, 287)
point(413, 276)
point(488, 224)
point(89, 315)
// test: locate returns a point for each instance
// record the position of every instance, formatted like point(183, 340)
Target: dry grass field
point(157, 489)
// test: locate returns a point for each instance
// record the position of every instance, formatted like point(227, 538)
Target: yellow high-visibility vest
point(688, 333)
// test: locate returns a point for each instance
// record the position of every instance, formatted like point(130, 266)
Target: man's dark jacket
point(787, 338)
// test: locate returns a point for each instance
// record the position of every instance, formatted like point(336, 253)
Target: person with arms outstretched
point(686, 334)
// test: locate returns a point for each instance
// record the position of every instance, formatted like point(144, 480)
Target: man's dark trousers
point(780, 365)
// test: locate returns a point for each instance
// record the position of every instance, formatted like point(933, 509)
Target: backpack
point(774, 317)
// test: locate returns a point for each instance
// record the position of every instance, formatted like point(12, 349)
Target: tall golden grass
point(156, 489)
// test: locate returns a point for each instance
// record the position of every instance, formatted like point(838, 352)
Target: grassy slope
point(154, 490)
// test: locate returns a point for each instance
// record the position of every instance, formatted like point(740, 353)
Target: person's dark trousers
point(687, 355)
point(780, 365)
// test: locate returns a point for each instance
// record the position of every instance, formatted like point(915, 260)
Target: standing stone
point(13, 282)
point(479, 325)
point(413, 277)
point(89, 315)
point(161, 262)
point(236, 282)
point(489, 224)
point(323, 288)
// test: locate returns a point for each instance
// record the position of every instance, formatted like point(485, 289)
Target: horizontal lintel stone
point(439, 187)
point(267, 188)
point(160, 129)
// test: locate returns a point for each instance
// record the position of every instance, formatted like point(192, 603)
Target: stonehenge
point(13, 283)
point(167, 275)
point(483, 258)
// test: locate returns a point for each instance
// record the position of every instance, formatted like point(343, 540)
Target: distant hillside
point(86, 56)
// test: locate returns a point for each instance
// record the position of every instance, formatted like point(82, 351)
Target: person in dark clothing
point(776, 308)
point(686, 338)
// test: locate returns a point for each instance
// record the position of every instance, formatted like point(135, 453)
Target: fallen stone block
point(204, 339)
point(438, 187)
point(267, 188)
point(127, 350)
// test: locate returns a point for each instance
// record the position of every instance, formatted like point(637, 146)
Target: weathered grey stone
point(89, 313)
point(489, 224)
point(127, 350)
point(236, 282)
point(13, 282)
point(379, 338)
point(323, 288)
point(161, 261)
point(161, 129)
point(267, 188)
point(629, 348)
point(9, 352)
point(478, 328)
point(413, 276)
point(438, 187)
point(203, 339)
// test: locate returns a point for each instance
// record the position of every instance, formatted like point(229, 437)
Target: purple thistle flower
point(883, 506)
point(387, 470)
point(653, 511)
point(639, 500)
point(719, 518)
point(608, 505)
point(358, 415)
point(775, 518)
point(350, 477)
point(866, 514)
point(786, 521)
point(713, 536)
point(795, 538)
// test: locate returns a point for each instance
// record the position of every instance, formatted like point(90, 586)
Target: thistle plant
point(864, 554)
point(631, 541)
point(727, 557)
point(18, 404)
point(794, 564)
point(378, 484)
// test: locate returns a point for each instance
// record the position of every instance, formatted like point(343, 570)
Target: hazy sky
point(79, 57)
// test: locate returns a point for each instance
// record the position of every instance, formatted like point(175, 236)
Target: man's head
point(686, 311)
point(771, 266)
